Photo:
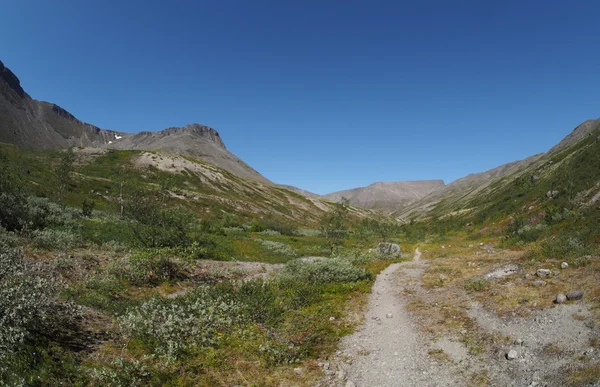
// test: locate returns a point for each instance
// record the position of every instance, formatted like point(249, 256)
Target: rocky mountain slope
point(387, 196)
point(563, 169)
point(29, 123)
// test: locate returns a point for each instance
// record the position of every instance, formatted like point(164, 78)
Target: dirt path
point(389, 350)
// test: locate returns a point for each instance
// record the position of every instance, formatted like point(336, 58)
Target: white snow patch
point(110, 142)
point(118, 137)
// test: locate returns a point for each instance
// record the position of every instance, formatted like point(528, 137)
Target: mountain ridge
point(34, 124)
point(386, 196)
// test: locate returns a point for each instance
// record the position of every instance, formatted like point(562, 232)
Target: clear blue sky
point(324, 95)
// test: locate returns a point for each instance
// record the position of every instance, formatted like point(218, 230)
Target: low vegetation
point(118, 292)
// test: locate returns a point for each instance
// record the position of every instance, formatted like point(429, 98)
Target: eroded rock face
point(11, 80)
point(388, 249)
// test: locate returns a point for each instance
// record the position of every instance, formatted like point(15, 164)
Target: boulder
point(564, 265)
point(575, 295)
point(388, 249)
point(512, 355)
point(560, 299)
point(543, 273)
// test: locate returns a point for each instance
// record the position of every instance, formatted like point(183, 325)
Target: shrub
point(41, 213)
point(174, 327)
point(476, 284)
point(277, 247)
point(55, 239)
point(123, 372)
point(8, 238)
point(30, 312)
point(308, 232)
point(565, 246)
point(87, 207)
point(12, 196)
point(325, 271)
point(146, 267)
point(156, 224)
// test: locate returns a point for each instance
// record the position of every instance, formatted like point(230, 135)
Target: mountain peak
point(11, 79)
point(195, 130)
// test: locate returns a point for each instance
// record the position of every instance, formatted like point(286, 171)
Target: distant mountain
point(460, 190)
point(387, 196)
point(194, 140)
point(33, 124)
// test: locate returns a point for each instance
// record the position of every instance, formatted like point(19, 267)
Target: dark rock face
point(11, 80)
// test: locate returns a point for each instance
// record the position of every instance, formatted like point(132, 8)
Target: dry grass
point(585, 376)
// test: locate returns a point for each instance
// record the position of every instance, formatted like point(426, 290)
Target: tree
point(63, 173)
point(332, 225)
point(156, 224)
point(13, 197)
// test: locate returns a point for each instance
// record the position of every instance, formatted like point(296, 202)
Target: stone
point(341, 374)
point(388, 249)
point(443, 277)
point(575, 295)
point(389, 315)
point(564, 265)
point(503, 271)
point(543, 273)
point(512, 355)
point(538, 283)
point(560, 299)
point(331, 318)
point(298, 371)
point(350, 383)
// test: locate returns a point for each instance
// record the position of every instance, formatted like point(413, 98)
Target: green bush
point(30, 313)
point(87, 208)
point(476, 284)
point(277, 247)
point(173, 327)
point(325, 271)
point(146, 267)
point(565, 246)
point(156, 224)
point(122, 372)
point(55, 239)
point(8, 238)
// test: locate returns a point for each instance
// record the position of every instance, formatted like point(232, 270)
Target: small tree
point(12, 196)
point(158, 225)
point(63, 174)
point(332, 226)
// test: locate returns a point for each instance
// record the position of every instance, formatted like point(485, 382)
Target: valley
point(161, 258)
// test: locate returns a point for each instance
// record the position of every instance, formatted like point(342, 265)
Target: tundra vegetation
point(105, 281)
point(161, 295)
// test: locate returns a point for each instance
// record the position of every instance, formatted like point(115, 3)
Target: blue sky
point(324, 95)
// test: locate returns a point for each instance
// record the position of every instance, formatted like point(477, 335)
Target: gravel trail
point(389, 350)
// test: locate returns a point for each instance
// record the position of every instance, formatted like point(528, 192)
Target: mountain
point(33, 124)
point(571, 168)
point(300, 191)
point(198, 141)
point(29, 123)
point(459, 190)
point(387, 196)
